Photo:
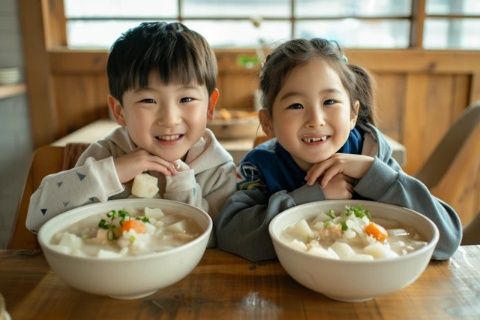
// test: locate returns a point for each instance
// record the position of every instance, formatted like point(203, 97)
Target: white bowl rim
point(128, 202)
point(411, 255)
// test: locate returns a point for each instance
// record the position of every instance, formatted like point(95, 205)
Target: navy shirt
point(270, 167)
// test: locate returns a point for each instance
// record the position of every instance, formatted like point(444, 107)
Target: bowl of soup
point(127, 248)
point(353, 250)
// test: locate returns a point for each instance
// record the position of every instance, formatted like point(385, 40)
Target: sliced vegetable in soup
point(352, 235)
point(121, 233)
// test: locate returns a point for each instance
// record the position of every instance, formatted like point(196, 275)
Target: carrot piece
point(376, 231)
point(136, 225)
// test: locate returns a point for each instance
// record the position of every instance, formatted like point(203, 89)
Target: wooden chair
point(452, 171)
point(45, 160)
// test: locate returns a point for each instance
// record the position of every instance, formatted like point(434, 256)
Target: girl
point(319, 109)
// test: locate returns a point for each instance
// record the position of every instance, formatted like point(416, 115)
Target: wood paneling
point(236, 90)
point(83, 100)
point(390, 99)
point(418, 22)
point(433, 102)
point(55, 23)
point(37, 72)
point(417, 60)
point(475, 85)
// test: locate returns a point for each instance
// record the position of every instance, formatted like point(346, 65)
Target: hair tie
point(345, 59)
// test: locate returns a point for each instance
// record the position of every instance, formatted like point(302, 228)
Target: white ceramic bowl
point(354, 281)
point(126, 277)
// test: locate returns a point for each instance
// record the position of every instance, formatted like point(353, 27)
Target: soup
point(121, 233)
point(352, 235)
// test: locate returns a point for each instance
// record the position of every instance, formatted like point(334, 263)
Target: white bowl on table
point(132, 276)
point(347, 280)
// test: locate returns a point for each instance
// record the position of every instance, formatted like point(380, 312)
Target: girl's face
point(311, 115)
point(165, 120)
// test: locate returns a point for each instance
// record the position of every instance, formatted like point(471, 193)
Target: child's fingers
point(163, 166)
point(330, 173)
point(316, 171)
point(349, 187)
point(349, 179)
point(313, 177)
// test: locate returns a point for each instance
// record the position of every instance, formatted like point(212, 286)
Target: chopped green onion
point(331, 213)
point(103, 224)
point(111, 235)
point(143, 219)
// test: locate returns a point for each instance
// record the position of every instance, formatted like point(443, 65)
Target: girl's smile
point(315, 140)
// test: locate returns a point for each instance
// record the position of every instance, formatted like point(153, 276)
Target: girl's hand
point(352, 165)
point(132, 164)
point(339, 187)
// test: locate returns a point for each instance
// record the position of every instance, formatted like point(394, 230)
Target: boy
point(162, 81)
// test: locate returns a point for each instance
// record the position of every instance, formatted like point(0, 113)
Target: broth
point(121, 233)
point(352, 235)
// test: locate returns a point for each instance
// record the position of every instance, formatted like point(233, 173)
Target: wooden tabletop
point(224, 286)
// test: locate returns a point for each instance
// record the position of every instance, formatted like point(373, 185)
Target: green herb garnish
point(114, 221)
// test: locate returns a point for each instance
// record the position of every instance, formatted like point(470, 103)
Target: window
point(246, 23)
point(452, 24)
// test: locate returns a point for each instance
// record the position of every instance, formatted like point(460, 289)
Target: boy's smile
point(166, 119)
point(171, 138)
point(166, 141)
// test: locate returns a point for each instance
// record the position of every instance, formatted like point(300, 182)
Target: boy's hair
point(175, 52)
point(283, 59)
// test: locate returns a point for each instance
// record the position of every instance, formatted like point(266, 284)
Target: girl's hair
point(356, 80)
point(175, 52)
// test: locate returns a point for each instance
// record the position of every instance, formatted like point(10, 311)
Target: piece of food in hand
point(181, 166)
point(145, 186)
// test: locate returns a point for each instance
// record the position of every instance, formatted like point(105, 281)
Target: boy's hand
point(339, 187)
point(132, 164)
point(352, 165)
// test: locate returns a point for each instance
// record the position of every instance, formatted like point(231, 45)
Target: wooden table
point(224, 286)
point(237, 148)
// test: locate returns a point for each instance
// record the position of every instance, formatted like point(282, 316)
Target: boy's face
point(165, 120)
point(311, 115)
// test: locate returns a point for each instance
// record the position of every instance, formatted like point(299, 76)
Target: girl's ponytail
point(364, 88)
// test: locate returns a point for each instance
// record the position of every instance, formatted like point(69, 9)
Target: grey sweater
point(242, 225)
